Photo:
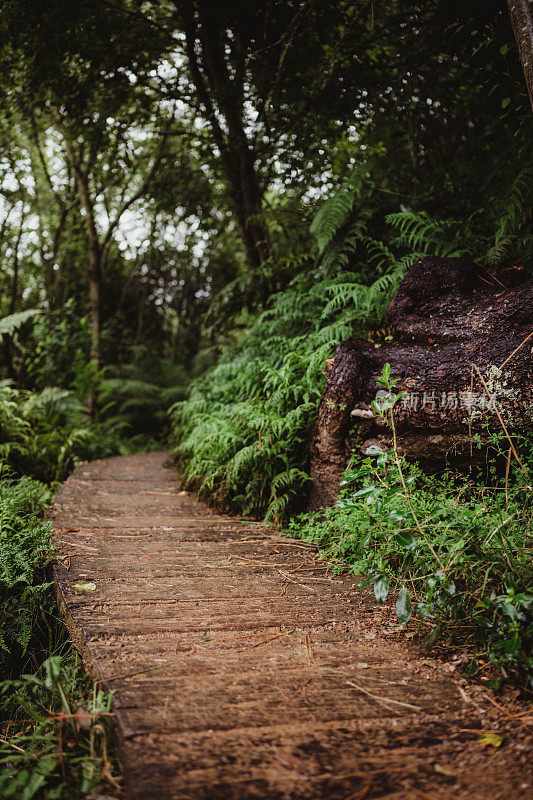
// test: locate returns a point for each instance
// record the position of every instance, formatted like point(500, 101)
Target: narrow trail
point(242, 670)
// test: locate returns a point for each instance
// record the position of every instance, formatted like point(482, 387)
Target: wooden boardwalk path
point(242, 670)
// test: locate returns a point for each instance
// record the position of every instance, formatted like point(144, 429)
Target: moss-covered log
point(448, 316)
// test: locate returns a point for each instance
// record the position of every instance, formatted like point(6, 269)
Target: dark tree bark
point(522, 21)
point(220, 90)
point(448, 316)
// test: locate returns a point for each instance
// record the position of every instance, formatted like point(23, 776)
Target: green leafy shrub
point(134, 399)
point(478, 592)
point(42, 434)
point(48, 750)
point(241, 434)
point(243, 431)
point(58, 348)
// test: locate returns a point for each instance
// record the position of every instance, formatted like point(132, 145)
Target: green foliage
point(455, 554)
point(58, 348)
point(241, 433)
point(335, 213)
point(66, 750)
point(25, 548)
point(136, 397)
point(502, 231)
point(49, 750)
point(41, 434)
point(46, 433)
point(11, 323)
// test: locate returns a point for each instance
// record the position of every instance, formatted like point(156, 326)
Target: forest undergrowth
point(452, 551)
point(55, 721)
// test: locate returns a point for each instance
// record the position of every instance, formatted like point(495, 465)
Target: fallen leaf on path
point(84, 587)
point(490, 739)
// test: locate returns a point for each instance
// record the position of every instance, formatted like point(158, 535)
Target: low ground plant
point(25, 549)
point(56, 733)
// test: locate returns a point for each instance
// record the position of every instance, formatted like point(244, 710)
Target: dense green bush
point(134, 399)
point(46, 752)
point(42, 434)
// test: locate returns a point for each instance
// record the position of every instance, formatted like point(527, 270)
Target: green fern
point(336, 211)
point(424, 235)
point(25, 547)
point(8, 325)
point(512, 214)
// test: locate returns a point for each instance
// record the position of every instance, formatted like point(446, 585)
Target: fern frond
point(11, 323)
point(335, 211)
point(514, 208)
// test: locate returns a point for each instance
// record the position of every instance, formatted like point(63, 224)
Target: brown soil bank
point(242, 670)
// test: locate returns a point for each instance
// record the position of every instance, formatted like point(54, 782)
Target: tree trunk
point(96, 254)
point(6, 340)
point(95, 286)
point(522, 22)
point(222, 97)
point(94, 279)
point(245, 196)
point(448, 316)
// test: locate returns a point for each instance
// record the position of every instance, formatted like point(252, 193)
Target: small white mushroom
point(363, 413)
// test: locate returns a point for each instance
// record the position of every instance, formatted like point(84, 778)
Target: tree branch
point(198, 79)
point(42, 161)
point(145, 184)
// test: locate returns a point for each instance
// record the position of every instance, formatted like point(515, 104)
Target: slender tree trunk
point(13, 299)
point(96, 250)
point(95, 286)
point(221, 95)
point(522, 21)
point(94, 279)
point(16, 264)
point(246, 204)
point(140, 318)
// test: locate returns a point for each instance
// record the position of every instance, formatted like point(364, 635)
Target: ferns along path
point(242, 669)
